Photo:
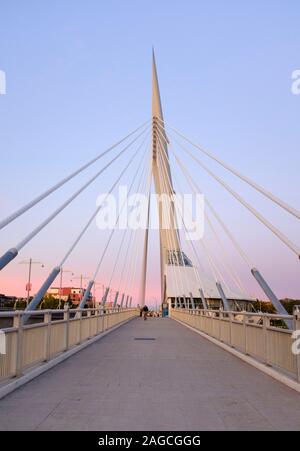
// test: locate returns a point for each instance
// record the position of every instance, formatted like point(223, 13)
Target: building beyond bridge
point(68, 294)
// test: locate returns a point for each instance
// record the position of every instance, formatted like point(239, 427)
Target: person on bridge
point(145, 312)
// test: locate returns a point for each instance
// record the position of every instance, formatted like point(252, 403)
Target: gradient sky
point(79, 78)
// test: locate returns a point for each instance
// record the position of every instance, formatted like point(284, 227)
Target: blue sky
point(79, 77)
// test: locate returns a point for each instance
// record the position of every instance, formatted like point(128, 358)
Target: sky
point(78, 79)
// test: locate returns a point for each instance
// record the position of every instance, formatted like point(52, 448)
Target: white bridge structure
point(212, 304)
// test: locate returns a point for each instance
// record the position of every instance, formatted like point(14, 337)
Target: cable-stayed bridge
point(200, 291)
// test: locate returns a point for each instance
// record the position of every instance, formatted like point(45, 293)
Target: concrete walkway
point(179, 381)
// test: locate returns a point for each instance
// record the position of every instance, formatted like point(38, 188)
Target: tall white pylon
point(175, 266)
point(167, 235)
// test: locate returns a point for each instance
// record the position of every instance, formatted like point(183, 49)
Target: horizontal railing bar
point(279, 329)
point(12, 313)
point(234, 312)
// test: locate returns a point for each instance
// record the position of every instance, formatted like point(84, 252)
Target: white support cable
point(238, 248)
point(293, 211)
point(131, 247)
point(147, 189)
point(124, 232)
point(62, 182)
point(127, 285)
point(196, 273)
point(172, 254)
point(229, 270)
point(50, 218)
point(170, 240)
point(130, 283)
point(98, 208)
point(131, 240)
point(217, 217)
point(172, 251)
point(190, 242)
point(242, 253)
point(211, 263)
point(232, 273)
point(117, 220)
point(249, 207)
point(117, 257)
point(131, 273)
point(234, 278)
point(166, 182)
point(213, 267)
point(186, 173)
point(131, 268)
point(174, 278)
point(143, 283)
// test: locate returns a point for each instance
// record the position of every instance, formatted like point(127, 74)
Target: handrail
point(234, 312)
point(12, 313)
point(28, 345)
point(265, 342)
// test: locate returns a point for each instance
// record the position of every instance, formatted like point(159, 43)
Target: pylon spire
point(156, 100)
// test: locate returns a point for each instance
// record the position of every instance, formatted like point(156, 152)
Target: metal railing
point(267, 343)
point(27, 345)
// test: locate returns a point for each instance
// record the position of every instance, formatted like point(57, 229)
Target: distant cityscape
point(71, 296)
point(55, 297)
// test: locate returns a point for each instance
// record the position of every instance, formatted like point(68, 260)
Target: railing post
point(219, 321)
point(103, 321)
point(297, 336)
point(266, 324)
point(18, 322)
point(245, 322)
point(80, 327)
point(192, 301)
point(204, 303)
point(47, 321)
point(98, 320)
point(67, 327)
point(89, 315)
point(230, 329)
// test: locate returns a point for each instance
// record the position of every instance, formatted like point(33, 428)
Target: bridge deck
point(180, 381)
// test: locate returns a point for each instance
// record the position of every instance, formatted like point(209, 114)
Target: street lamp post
point(81, 278)
point(60, 284)
point(94, 291)
point(29, 262)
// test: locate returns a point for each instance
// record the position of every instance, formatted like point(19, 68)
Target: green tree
point(49, 302)
point(264, 307)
